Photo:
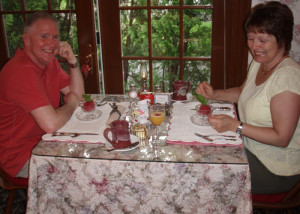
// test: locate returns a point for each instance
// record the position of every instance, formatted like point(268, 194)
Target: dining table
point(186, 173)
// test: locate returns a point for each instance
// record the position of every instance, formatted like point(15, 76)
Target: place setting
point(88, 122)
point(189, 124)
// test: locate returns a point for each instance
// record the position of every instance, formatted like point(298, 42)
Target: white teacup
point(140, 111)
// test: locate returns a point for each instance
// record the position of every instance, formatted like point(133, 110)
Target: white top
point(254, 109)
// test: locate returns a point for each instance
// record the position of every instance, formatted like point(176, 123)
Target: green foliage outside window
point(165, 42)
point(13, 23)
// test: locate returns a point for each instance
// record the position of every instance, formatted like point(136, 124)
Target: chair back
point(289, 200)
point(11, 185)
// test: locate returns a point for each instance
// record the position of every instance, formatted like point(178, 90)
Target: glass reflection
point(62, 5)
point(131, 3)
point(134, 33)
point(197, 32)
point(165, 32)
point(9, 5)
point(13, 25)
point(36, 5)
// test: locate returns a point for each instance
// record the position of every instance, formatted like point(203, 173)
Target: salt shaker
point(157, 89)
point(132, 92)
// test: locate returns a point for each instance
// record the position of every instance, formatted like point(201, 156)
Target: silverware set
point(71, 134)
point(213, 137)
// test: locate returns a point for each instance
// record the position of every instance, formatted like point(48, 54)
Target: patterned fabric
point(74, 185)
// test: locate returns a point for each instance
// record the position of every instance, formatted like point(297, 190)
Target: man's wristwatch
point(74, 65)
point(239, 128)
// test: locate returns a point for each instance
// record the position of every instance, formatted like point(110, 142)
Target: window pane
point(134, 33)
point(165, 2)
point(7, 5)
point(165, 33)
point(197, 32)
point(198, 2)
point(68, 29)
point(129, 3)
point(164, 73)
point(131, 72)
point(196, 72)
point(62, 5)
point(36, 5)
point(13, 25)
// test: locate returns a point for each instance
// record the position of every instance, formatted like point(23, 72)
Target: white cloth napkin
point(182, 130)
point(96, 126)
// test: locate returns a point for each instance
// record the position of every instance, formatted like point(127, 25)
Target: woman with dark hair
point(268, 101)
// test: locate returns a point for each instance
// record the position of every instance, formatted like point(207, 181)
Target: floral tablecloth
point(84, 178)
point(73, 185)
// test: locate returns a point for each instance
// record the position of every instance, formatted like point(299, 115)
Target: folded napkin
point(182, 130)
point(96, 126)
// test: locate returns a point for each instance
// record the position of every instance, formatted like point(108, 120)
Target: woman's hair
point(275, 19)
point(36, 17)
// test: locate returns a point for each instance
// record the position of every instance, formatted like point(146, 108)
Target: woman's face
point(264, 47)
point(42, 42)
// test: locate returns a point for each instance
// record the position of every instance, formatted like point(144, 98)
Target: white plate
point(88, 116)
point(133, 139)
point(198, 120)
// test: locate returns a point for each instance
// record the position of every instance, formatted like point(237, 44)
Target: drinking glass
point(157, 116)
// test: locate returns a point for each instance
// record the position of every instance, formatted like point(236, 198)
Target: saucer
point(133, 139)
point(188, 99)
point(88, 116)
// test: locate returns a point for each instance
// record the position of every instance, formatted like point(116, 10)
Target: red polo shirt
point(24, 87)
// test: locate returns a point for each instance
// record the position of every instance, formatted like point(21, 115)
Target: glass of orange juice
point(157, 115)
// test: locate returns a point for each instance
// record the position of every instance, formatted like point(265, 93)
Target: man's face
point(42, 42)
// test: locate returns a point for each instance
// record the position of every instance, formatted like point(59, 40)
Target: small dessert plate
point(199, 120)
point(88, 116)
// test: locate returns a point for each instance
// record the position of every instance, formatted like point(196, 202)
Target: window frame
point(226, 71)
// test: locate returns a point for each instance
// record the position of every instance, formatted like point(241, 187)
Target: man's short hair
point(36, 17)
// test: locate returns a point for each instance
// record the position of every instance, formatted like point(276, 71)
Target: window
point(174, 37)
point(14, 12)
point(76, 20)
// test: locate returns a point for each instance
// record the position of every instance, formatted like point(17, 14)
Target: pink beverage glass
point(120, 134)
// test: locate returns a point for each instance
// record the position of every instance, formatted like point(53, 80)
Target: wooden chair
point(289, 200)
point(11, 184)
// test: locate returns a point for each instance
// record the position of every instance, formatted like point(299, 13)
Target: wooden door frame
point(87, 43)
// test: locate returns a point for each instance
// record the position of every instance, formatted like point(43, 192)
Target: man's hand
point(66, 52)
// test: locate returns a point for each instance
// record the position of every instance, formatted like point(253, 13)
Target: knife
point(71, 134)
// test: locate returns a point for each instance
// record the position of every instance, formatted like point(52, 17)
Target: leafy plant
point(201, 99)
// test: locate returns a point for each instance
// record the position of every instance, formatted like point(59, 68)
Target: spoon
point(102, 103)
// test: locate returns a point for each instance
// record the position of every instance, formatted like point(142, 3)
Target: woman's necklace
point(265, 72)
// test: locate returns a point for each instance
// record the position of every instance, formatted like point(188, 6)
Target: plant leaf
point(202, 99)
point(87, 97)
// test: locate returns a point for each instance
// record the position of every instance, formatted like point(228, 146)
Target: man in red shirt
point(30, 86)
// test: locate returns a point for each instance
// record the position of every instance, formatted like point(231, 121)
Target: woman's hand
point(205, 89)
point(223, 123)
